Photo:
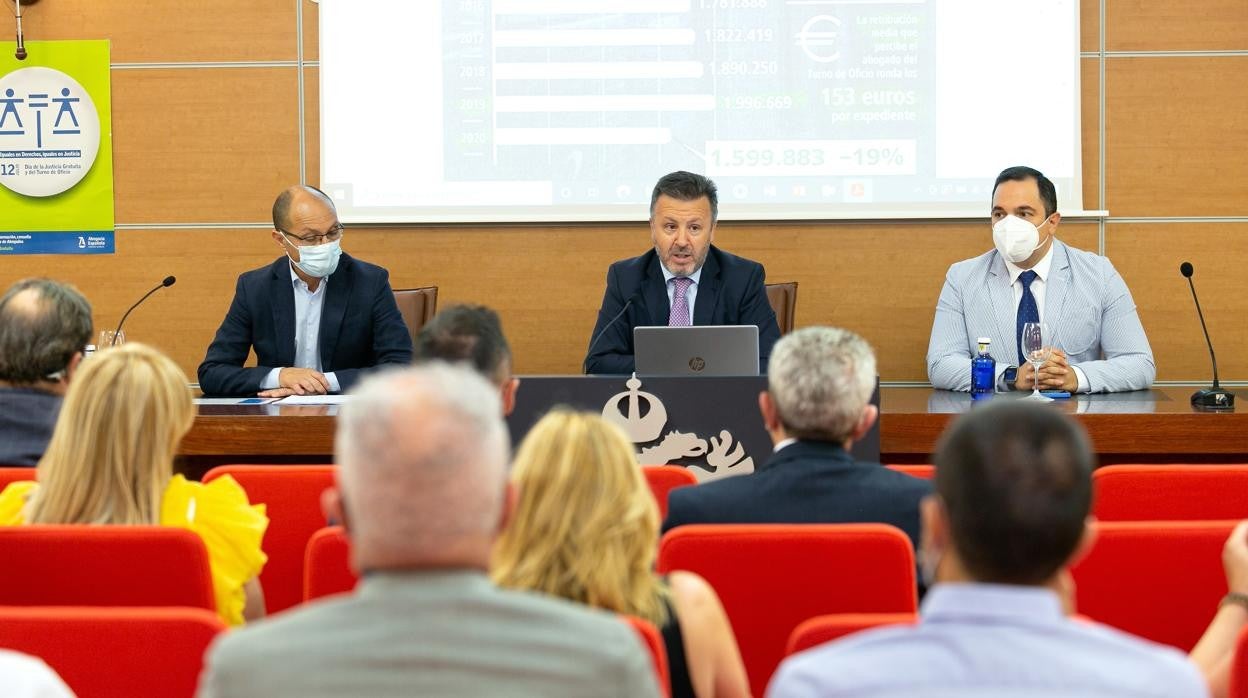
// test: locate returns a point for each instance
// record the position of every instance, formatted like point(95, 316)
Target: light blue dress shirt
point(980, 640)
point(308, 305)
point(691, 294)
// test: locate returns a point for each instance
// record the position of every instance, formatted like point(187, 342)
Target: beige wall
point(1168, 159)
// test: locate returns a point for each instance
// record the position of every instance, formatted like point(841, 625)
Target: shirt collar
point(1042, 267)
point(300, 283)
point(954, 602)
point(668, 276)
point(786, 442)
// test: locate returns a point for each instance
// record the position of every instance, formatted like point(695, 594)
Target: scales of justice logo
point(643, 417)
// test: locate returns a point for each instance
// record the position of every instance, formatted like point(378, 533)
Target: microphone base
point(1213, 399)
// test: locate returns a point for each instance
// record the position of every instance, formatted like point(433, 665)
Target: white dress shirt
point(308, 306)
point(1038, 286)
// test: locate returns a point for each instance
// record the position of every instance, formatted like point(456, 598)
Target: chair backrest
point(1170, 492)
point(327, 569)
point(292, 498)
point(923, 472)
point(417, 306)
point(79, 565)
point(1239, 667)
point(1161, 580)
point(10, 475)
point(665, 478)
point(105, 652)
point(783, 299)
point(653, 641)
point(771, 577)
point(834, 626)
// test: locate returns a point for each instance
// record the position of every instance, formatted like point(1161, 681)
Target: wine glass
point(1036, 350)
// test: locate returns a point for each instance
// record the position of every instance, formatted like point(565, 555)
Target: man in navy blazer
point(316, 317)
point(718, 288)
point(817, 403)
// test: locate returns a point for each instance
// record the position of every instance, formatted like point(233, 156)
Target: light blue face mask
point(319, 260)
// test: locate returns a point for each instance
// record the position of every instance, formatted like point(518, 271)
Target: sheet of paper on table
point(315, 400)
point(234, 400)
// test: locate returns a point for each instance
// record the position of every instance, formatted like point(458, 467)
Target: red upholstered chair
point(1239, 667)
point(1161, 580)
point(9, 475)
point(81, 565)
point(292, 498)
point(771, 577)
point(1170, 492)
point(653, 641)
point(106, 652)
point(923, 472)
point(665, 478)
point(327, 569)
point(820, 629)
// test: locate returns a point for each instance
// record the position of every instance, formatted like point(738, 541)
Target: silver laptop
point(708, 350)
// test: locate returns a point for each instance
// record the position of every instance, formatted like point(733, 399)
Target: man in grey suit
point(1098, 342)
point(424, 493)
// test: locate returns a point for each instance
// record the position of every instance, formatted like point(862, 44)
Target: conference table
point(1147, 426)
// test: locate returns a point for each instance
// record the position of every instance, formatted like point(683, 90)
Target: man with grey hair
point(44, 327)
point(424, 493)
point(817, 403)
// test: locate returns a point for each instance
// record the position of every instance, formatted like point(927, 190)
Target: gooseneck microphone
point(627, 303)
point(169, 281)
point(1215, 397)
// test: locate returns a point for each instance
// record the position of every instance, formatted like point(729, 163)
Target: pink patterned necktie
point(679, 316)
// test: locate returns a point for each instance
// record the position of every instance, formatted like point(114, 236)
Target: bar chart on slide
point(796, 108)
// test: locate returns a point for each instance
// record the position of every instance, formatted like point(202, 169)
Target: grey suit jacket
point(434, 633)
point(1087, 307)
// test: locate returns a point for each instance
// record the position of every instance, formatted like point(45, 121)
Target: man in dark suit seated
point(817, 403)
point(317, 317)
point(684, 280)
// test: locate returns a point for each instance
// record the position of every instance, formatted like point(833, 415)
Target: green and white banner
point(56, 149)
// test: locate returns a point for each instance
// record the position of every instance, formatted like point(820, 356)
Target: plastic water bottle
point(983, 371)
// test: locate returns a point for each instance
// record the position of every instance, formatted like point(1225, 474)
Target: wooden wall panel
point(208, 145)
point(1089, 25)
point(1176, 129)
point(1089, 113)
point(1149, 254)
point(1166, 25)
point(162, 31)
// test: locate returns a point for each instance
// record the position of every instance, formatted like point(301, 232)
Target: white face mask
point(319, 260)
point(1015, 238)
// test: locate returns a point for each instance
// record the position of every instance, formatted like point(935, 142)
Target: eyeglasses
point(335, 233)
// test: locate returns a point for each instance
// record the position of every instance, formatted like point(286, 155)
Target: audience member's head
point(111, 454)
point(44, 326)
point(423, 469)
point(586, 525)
point(819, 386)
point(1013, 496)
point(473, 334)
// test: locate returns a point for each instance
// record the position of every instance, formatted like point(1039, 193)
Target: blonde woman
point(110, 461)
point(586, 528)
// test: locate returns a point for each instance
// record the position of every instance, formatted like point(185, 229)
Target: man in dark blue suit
point(684, 280)
point(317, 318)
point(817, 403)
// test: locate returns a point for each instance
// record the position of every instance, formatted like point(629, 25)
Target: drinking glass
point(1036, 350)
point(106, 338)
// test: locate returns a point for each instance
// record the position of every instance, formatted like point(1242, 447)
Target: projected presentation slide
point(569, 110)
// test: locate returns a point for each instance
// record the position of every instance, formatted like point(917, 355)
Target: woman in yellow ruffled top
point(110, 461)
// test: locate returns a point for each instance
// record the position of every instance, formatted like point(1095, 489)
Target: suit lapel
point(1001, 294)
point(708, 291)
point(656, 292)
point(282, 294)
point(334, 310)
point(1055, 289)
